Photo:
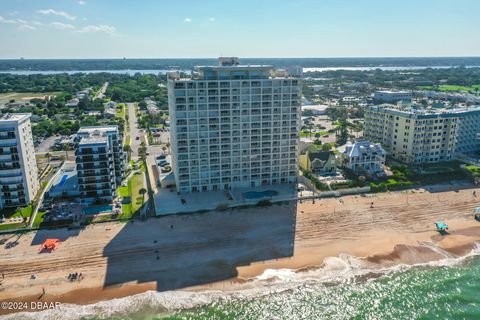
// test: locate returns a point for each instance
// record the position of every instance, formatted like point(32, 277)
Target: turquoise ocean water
point(448, 289)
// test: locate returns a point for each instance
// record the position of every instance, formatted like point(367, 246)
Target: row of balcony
point(188, 181)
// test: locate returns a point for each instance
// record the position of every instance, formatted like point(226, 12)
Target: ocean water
point(343, 289)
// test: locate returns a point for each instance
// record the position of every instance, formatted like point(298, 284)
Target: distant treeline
point(186, 64)
point(403, 79)
point(123, 87)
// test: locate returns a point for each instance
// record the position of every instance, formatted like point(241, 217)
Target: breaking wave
point(341, 270)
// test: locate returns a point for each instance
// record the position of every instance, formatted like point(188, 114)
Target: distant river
point(164, 71)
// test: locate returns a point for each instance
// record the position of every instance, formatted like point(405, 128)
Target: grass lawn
point(405, 177)
point(13, 213)
point(304, 134)
point(11, 226)
point(475, 170)
point(121, 111)
point(23, 96)
point(453, 88)
point(132, 190)
point(38, 219)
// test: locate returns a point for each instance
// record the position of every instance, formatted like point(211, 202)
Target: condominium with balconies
point(417, 135)
point(234, 126)
point(100, 162)
point(18, 166)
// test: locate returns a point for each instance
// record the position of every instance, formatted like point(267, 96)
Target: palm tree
point(48, 156)
point(128, 150)
point(143, 191)
point(167, 145)
point(66, 148)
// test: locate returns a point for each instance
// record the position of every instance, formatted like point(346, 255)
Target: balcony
point(7, 136)
point(96, 188)
point(16, 165)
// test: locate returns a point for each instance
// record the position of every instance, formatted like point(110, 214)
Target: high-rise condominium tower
point(100, 162)
point(234, 126)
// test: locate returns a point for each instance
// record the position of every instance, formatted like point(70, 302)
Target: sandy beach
point(226, 250)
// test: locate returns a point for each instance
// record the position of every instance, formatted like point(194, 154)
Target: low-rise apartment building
point(100, 162)
point(18, 167)
point(388, 96)
point(416, 135)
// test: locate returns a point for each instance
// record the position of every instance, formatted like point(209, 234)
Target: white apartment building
point(100, 162)
point(18, 166)
point(416, 135)
point(391, 96)
point(234, 126)
point(363, 156)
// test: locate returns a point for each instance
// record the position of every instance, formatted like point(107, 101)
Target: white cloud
point(3, 20)
point(57, 13)
point(37, 23)
point(24, 27)
point(211, 19)
point(187, 20)
point(82, 3)
point(60, 25)
point(100, 28)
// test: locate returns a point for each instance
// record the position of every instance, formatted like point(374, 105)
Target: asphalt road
point(134, 130)
point(46, 144)
point(101, 93)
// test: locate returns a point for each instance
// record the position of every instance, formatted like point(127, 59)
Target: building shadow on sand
point(194, 249)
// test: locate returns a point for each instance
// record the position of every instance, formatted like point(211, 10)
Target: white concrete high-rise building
point(18, 166)
point(100, 162)
point(234, 126)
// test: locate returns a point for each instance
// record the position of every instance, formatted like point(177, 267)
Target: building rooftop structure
point(93, 140)
point(99, 129)
point(229, 68)
point(360, 148)
point(419, 112)
point(14, 117)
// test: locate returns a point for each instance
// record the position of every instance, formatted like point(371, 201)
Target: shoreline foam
point(330, 239)
point(334, 270)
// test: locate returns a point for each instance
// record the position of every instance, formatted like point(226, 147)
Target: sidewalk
point(167, 201)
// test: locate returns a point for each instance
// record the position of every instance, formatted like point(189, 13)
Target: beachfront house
point(363, 157)
point(319, 162)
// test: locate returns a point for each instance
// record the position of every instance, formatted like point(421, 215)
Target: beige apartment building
point(416, 135)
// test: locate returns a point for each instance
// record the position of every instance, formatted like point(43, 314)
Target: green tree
point(128, 149)
point(66, 148)
point(143, 191)
point(142, 151)
point(48, 156)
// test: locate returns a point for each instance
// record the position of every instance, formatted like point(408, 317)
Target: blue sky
point(245, 28)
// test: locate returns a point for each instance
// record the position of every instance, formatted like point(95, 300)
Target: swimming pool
point(62, 182)
point(259, 194)
point(91, 211)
